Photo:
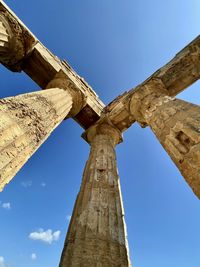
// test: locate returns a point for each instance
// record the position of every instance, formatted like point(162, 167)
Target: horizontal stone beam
point(178, 74)
point(20, 50)
point(183, 70)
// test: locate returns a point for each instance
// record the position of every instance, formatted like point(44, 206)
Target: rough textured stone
point(15, 42)
point(22, 51)
point(97, 235)
point(79, 101)
point(182, 71)
point(25, 123)
point(176, 124)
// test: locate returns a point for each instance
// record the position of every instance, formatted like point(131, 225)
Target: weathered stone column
point(15, 42)
point(97, 235)
point(176, 123)
point(25, 123)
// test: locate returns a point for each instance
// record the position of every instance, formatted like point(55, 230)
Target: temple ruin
point(97, 231)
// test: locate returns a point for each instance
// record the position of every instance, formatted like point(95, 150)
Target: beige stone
point(24, 52)
point(176, 124)
point(25, 123)
point(182, 71)
point(15, 43)
point(97, 234)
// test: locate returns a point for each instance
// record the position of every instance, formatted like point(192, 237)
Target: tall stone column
point(176, 123)
point(97, 235)
point(25, 123)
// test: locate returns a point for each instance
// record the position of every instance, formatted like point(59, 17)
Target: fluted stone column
point(15, 43)
point(176, 123)
point(97, 235)
point(25, 123)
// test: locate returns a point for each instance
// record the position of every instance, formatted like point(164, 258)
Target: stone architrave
point(97, 233)
point(176, 123)
point(25, 123)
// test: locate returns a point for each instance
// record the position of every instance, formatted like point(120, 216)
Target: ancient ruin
point(97, 231)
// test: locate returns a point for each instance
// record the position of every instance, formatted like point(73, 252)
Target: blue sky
point(114, 45)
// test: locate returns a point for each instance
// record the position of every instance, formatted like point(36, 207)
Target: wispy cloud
point(6, 205)
point(43, 184)
point(2, 262)
point(26, 184)
point(47, 236)
point(33, 256)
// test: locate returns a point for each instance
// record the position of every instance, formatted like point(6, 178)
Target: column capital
point(145, 100)
point(15, 42)
point(61, 81)
point(103, 127)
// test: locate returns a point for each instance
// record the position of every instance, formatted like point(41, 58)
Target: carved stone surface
point(178, 74)
point(183, 70)
point(14, 41)
point(97, 235)
point(61, 81)
point(41, 65)
point(176, 124)
point(144, 100)
point(25, 123)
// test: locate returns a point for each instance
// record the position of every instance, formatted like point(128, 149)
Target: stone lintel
point(42, 66)
point(183, 70)
point(177, 75)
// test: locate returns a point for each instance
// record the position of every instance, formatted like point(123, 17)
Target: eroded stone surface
point(15, 42)
point(97, 235)
point(20, 50)
point(25, 123)
point(176, 124)
point(182, 71)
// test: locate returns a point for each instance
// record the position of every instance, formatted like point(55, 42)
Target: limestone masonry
point(97, 232)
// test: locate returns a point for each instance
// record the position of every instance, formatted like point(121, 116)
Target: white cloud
point(47, 236)
point(43, 184)
point(69, 217)
point(2, 262)
point(6, 205)
point(26, 183)
point(33, 256)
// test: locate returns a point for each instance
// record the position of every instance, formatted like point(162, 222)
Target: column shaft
point(25, 123)
point(97, 235)
point(176, 124)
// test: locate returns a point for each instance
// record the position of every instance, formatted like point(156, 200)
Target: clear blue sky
point(114, 45)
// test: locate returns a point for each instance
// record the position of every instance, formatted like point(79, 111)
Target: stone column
point(25, 123)
point(15, 42)
point(97, 235)
point(176, 123)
